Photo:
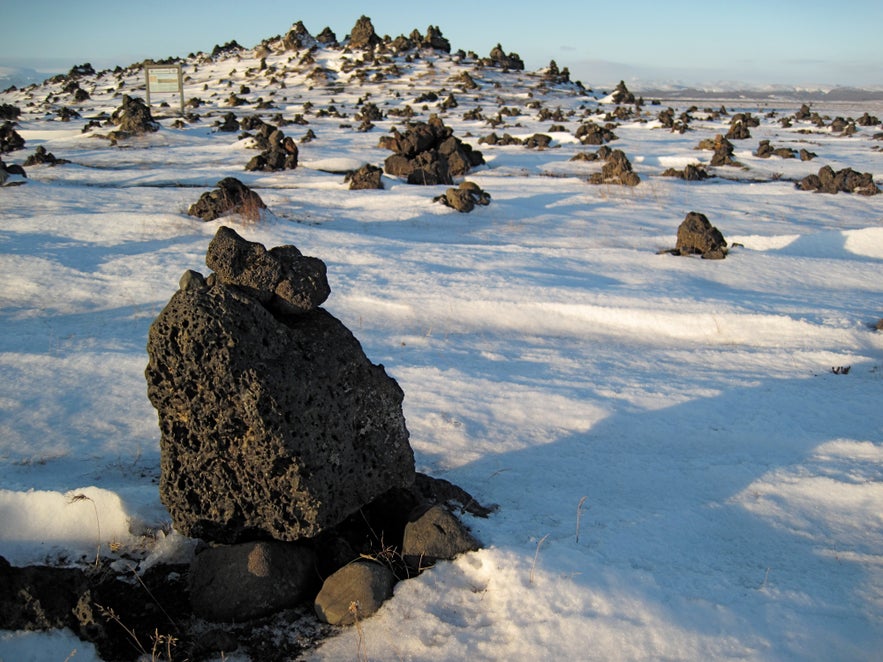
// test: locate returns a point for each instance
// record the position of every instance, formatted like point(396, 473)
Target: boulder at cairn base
point(274, 424)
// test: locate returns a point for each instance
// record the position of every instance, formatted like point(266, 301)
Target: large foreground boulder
point(274, 422)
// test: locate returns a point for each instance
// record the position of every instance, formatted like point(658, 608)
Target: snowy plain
point(680, 473)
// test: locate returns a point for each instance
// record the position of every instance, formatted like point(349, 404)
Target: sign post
point(164, 79)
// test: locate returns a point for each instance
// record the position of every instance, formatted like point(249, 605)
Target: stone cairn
point(284, 448)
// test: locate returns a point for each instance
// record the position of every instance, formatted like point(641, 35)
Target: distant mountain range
point(773, 93)
point(21, 76)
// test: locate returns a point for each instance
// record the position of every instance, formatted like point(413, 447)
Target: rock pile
point(592, 134)
point(846, 180)
point(428, 153)
point(690, 173)
point(765, 150)
point(282, 444)
point(622, 95)
point(362, 35)
point(367, 177)
point(464, 197)
point(230, 197)
point(42, 157)
point(723, 151)
point(132, 118)
point(499, 58)
point(697, 236)
point(280, 152)
point(10, 140)
point(617, 169)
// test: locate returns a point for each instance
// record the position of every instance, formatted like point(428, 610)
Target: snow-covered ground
point(680, 473)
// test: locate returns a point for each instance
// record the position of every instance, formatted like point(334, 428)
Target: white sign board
point(164, 79)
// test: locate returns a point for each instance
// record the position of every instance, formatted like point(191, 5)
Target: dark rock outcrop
point(434, 535)
point(273, 424)
point(280, 151)
point(133, 118)
point(617, 169)
point(499, 58)
point(593, 134)
point(367, 177)
point(362, 35)
point(42, 157)
point(230, 197)
point(690, 173)
point(697, 236)
point(242, 582)
point(354, 592)
point(464, 197)
point(622, 95)
point(846, 180)
point(428, 154)
point(10, 140)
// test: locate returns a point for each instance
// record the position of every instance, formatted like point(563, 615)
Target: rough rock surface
point(435, 535)
point(10, 140)
point(43, 157)
point(242, 582)
point(363, 35)
point(428, 154)
point(354, 592)
point(280, 151)
point(617, 169)
point(846, 180)
point(366, 177)
point(230, 197)
point(133, 118)
point(697, 236)
point(464, 197)
point(273, 425)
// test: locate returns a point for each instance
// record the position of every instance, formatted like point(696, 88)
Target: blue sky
point(763, 42)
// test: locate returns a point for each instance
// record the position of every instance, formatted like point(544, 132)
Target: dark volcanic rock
point(273, 425)
point(354, 592)
point(592, 134)
point(841, 181)
point(499, 58)
point(435, 535)
point(366, 177)
point(281, 278)
point(42, 157)
point(617, 169)
point(464, 197)
point(622, 95)
point(133, 118)
point(235, 583)
point(697, 236)
point(690, 173)
point(363, 35)
point(230, 197)
point(428, 154)
point(10, 140)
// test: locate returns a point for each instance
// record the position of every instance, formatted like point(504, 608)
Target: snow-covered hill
point(680, 472)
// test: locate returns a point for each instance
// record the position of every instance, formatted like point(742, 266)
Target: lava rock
point(697, 236)
point(230, 197)
point(242, 582)
point(133, 118)
point(41, 156)
point(435, 535)
point(363, 35)
point(464, 197)
point(846, 180)
point(10, 140)
point(273, 425)
point(367, 177)
point(617, 169)
point(282, 278)
point(354, 592)
point(428, 154)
